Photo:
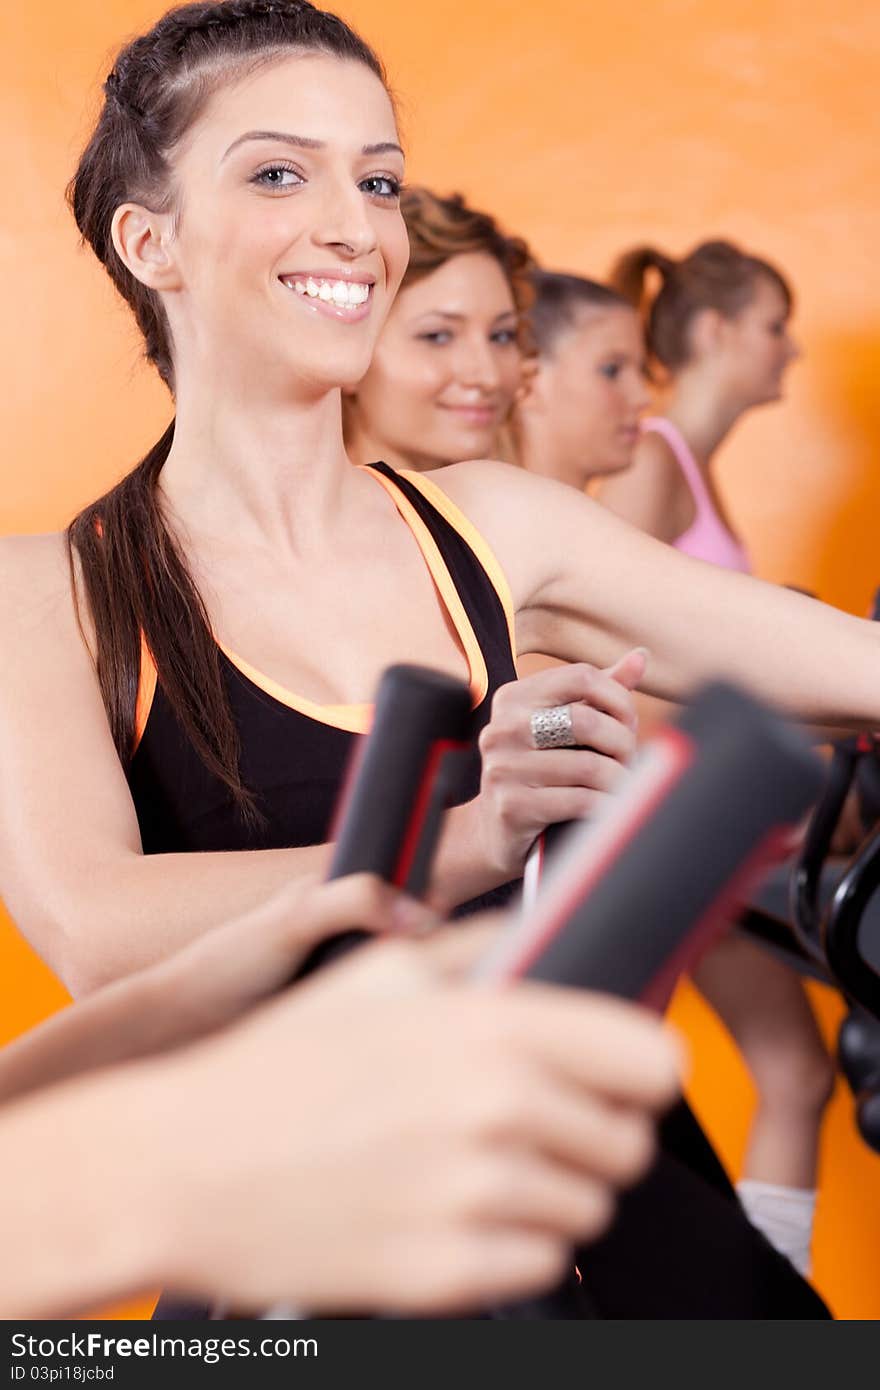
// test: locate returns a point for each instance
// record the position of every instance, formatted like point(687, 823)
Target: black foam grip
point(402, 777)
point(622, 897)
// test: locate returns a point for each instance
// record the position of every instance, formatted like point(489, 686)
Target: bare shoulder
point(651, 493)
point(36, 592)
point(496, 494)
point(530, 522)
point(654, 465)
point(33, 569)
point(471, 479)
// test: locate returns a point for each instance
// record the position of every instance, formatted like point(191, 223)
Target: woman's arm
point(104, 1190)
point(586, 584)
point(651, 494)
point(201, 988)
point(74, 877)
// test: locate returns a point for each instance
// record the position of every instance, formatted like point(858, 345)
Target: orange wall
point(585, 127)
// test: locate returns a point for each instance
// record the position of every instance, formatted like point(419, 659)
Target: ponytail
point(630, 270)
point(715, 275)
point(137, 588)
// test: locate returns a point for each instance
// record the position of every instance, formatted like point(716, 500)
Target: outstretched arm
point(585, 585)
point(651, 494)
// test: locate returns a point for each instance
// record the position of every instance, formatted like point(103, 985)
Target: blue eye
point(277, 176)
point(440, 337)
point(611, 370)
point(381, 186)
point(504, 336)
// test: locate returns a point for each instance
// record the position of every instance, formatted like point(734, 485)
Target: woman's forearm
point(206, 986)
point(81, 1210)
point(699, 622)
point(810, 660)
point(132, 910)
point(148, 1012)
point(123, 1021)
point(586, 586)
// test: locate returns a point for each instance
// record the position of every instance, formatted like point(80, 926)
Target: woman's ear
point(529, 393)
point(143, 241)
point(707, 331)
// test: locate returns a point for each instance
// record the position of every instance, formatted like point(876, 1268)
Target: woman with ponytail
point(186, 673)
point(717, 326)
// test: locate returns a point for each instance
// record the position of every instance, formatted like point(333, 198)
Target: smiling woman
point(201, 251)
point(200, 684)
point(449, 362)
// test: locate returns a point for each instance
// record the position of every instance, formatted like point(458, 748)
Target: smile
point(474, 414)
point(341, 294)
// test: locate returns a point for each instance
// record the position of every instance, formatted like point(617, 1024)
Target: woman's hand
point(385, 1138)
point(524, 789)
point(231, 968)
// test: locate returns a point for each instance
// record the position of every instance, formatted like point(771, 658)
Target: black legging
point(682, 1247)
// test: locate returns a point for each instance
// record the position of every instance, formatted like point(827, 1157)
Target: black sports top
point(294, 753)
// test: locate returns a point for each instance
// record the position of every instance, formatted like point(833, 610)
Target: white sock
point(784, 1215)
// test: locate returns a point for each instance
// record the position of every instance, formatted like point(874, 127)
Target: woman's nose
point(639, 396)
point(475, 364)
point(345, 224)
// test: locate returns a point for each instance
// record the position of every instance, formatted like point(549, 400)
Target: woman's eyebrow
point(454, 317)
point(303, 142)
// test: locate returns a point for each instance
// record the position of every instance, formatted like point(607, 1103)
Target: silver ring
point(552, 728)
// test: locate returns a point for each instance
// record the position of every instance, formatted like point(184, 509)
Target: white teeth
point(342, 293)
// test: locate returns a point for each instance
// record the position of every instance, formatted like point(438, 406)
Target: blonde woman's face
point(446, 368)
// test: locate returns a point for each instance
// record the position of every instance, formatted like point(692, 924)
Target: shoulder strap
point(474, 539)
point(658, 424)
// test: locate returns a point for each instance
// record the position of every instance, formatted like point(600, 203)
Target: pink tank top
point(707, 538)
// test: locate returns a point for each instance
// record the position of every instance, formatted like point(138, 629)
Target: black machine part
point(631, 898)
point(704, 806)
point(402, 778)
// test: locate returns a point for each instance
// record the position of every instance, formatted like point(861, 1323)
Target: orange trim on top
point(355, 719)
point(145, 694)
point(479, 676)
point(477, 542)
point(358, 718)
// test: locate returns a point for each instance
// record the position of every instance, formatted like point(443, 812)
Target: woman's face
point(290, 245)
point(446, 369)
point(590, 392)
point(756, 348)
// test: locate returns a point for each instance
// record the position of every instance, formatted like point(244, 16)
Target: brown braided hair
point(440, 228)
